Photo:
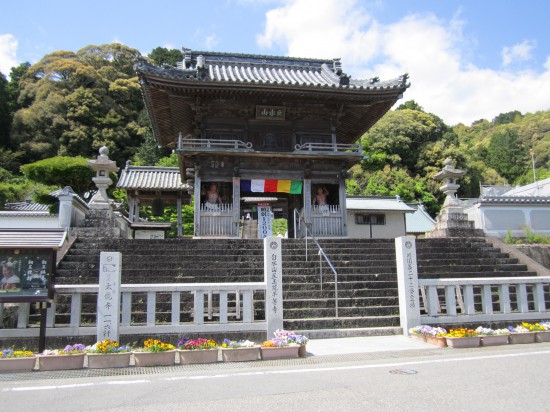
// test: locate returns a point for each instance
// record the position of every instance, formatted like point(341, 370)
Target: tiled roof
point(151, 178)
point(514, 200)
point(205, 66)
point(32, 238)
point(419, 221)
point(382, 204)
point(26, 207)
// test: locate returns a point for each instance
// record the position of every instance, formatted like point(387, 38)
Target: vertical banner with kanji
point(108, 297)
point(273, 274)
point(264, 221)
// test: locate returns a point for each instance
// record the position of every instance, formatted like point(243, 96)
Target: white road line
point(282, 372)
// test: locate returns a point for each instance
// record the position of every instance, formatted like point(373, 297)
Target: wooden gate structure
point(243, 125)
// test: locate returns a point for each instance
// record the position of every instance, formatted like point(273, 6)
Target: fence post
point(273, 276)
point(407, 280)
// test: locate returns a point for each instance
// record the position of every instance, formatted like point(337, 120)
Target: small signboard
point(26, 275)
point(264, 222)
point(108, 296)
point(270, 112)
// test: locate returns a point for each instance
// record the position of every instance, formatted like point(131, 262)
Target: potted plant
point(462, 338)
point(17, 360)
point(155, 353)
point(435, 336)
point(108, 354)
point(293, 338)
point(278, 349)
point(239, 351)
point(70, 357)
point(521, 334)
point(198, 351)
point(418, 332)
point(493, 337)
point(542, 332)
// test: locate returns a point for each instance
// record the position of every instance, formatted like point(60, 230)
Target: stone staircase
point(367, 279)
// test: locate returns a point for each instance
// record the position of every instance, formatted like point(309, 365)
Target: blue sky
point(466, 59)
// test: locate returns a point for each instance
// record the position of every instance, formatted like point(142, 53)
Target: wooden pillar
point(307, 200)
point(131, 206)
point(236, 204)
point(343, 209)
point(180, 223)
point(197, 211)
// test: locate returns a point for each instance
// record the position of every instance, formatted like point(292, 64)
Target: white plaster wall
point(394, 227)
point(29, 222)
point(498, 220)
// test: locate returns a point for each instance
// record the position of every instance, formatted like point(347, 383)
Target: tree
point(410, 105)
point(61, 171)
point(505, 118)
point(506, 154)
point(5, 115)
point(162, 55)
point(74, 103)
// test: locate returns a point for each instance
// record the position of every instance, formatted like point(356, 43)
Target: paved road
point(513, 377)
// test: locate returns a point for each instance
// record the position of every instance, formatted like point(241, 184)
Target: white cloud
point(518, 52)
point(8, 53)
point(210, 42)
point(434, 52)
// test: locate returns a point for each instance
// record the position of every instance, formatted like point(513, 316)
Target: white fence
point(216, 220)
point(484, 300)
point(326, 220)
point(212, 310)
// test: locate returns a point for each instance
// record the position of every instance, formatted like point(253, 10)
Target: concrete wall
point(394, 227)
point(497, 220)
point(539, 253)
point(28, 222)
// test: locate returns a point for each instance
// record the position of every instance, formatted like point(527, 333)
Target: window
point(370, 219)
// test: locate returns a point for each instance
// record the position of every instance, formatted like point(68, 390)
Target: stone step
point(341, 322)
point(472, 268)
point(351, 332)
point(342, 293)
point(344, 312)
point(461, 274)
point(288, 287)
point(343, 302)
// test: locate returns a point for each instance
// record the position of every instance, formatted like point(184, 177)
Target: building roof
point(27, 206)
point(378, 204)
point(166, 179)
point(540, 188)
point(171, 93)
point(515, 200)
point(419, 221)
point(32, 238)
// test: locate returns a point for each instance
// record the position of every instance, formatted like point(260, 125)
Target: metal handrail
point(321, 255)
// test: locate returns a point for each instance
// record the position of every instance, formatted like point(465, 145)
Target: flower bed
point(198, 351)
point(17, 360)
point(70, 357)
point(108, 354)
point(155, 353)
point(463, 337)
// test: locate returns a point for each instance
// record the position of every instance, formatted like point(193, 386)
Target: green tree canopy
point(61, 171)
point(162, 55)
point(74, 103)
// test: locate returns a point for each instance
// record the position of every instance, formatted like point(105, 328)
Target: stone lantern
point(102, 166)
point(452, 221)
point(449, 175)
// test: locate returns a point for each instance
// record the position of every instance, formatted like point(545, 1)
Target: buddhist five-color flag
point(272, 186)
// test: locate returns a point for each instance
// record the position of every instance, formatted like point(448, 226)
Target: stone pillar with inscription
point(108, 296)
point(407, 281)
point(273, 275)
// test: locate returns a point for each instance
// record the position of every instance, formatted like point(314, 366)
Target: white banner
point(264, 222)
point(407, 281)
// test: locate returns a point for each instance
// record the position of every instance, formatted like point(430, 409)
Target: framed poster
point(26, 275)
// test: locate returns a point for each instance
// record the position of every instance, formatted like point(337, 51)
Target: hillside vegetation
point(70, 104)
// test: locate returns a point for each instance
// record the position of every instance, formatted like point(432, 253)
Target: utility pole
point(534, 170)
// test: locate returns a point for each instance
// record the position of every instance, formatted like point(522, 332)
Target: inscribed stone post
point(273, 274)
point(407, 280)
point(108, 297)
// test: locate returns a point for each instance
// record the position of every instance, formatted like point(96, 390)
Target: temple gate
point(248, 126)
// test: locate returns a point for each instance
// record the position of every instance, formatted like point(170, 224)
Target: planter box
point(165, 358)
point(302, 352)
point(542, 336)
point(418, 336)
point(17, 364)
point(438, 341)
point(188, 357)
point(280, 353)
point(524, 337)
point(494, 340)
point(109, 360)
point(240, 354)
point(60, 362)
point(470, 342)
